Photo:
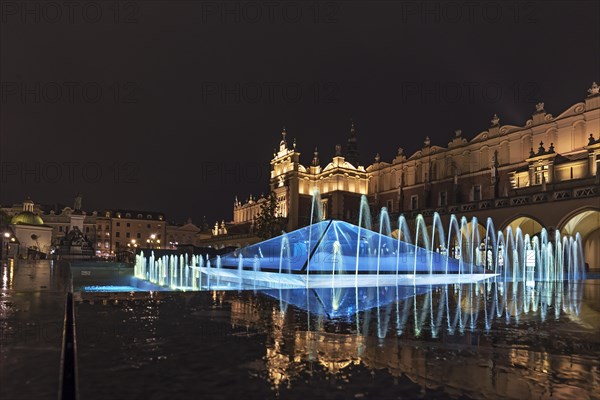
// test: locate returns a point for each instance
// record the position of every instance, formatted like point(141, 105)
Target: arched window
point(579, 138)
point(485, 160)
point(504, 156)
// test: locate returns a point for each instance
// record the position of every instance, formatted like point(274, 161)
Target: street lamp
point(151, 240)
point(5, 239)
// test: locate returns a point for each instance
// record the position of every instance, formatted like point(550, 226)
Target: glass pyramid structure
point(345, 302)
point(338, 247)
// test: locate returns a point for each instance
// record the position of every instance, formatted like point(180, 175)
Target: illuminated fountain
point(337, 254)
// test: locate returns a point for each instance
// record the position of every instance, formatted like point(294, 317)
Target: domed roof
point(27, 218)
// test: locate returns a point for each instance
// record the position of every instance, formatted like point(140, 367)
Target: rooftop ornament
point(542, 150)
point(594, 90)
point(495, 120)
point(338, 150)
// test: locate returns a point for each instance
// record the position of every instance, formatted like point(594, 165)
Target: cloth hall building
point(545, 173)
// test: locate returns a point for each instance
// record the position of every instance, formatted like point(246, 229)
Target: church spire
point(283, 143)
point(352, 155)
point(315, 160)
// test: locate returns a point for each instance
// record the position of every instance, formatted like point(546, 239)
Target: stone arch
point(468, 248)
point(418, 172)
point(528, 224)
point(455, 167)
point(552, 137)
point(586, 222)
point(485, 157)
point(504, 153)
point(579, 138)
point(526, 145)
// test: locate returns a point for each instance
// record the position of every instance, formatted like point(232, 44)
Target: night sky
point(176, 106)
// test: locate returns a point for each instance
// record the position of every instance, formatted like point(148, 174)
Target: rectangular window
point(127, 235)
point(128, 224)
point(118, 224)
point(324, 208)
point(60, 228)
point(117, 244)
point(148, 226)
point(390, 205)
point(443, 200)
point(541, 174)
point(139, 235)
point(118, 234)
point(414, 202)
point(476, 192)
point(87, 229)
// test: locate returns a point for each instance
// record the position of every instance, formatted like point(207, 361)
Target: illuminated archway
point(528, 225)
point(473, 235)
point(586, 222)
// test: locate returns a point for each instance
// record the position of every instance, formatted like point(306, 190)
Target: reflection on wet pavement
point(492, 340)
point(32, 300)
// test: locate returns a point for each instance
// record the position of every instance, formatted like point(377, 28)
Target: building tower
point(352, 155)
point(285, 180)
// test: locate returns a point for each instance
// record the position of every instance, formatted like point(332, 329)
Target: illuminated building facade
point(133, 228)
point(33, 236)
point(545, 173)
point(109, 232)
point(340, 183)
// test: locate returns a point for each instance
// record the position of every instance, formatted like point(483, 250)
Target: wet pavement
point(475, 341)
point(32, 304)
point(482, 341)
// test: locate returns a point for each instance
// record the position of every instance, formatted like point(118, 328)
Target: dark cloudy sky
point(177, 105)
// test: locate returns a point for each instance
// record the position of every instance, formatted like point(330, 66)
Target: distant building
point(135, 228)
point(64, 219)
point(545, 173)
point(33, 236)
point(340, 183)
point(107, 232)
point(179, 235)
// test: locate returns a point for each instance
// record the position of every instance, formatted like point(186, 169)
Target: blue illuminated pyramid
point(338, 247)
point(345, 302)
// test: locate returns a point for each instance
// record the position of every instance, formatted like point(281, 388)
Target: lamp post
point(4, 249)
point(152, 240)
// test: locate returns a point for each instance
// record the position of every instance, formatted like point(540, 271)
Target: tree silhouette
point(268, 223)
